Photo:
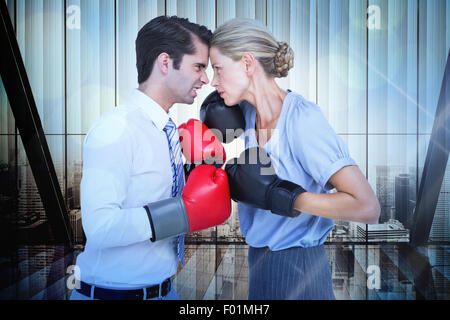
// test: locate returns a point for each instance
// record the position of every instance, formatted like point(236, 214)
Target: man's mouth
point(194, 91)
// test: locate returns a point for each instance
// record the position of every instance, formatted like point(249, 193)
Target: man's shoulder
point(112, 125)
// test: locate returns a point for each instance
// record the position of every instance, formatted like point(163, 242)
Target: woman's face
point(230, 78)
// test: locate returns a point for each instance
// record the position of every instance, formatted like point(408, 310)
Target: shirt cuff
point(332, 169)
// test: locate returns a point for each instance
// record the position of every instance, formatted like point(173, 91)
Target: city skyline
point(30, 212)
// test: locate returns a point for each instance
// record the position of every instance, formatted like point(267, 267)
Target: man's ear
point(249, 62)
point(163, 62)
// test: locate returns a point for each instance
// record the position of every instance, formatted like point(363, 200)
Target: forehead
point(201, 53)
point(218, 58)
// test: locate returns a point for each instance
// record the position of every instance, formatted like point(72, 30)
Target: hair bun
point(284, 60)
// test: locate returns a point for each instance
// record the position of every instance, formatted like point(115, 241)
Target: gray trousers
point(290, 274)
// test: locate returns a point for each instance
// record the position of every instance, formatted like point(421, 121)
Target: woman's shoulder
point(299, 110)
point(305, 119)
point(297, 102)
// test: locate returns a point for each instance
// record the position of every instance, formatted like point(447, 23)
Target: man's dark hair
point(172, 35)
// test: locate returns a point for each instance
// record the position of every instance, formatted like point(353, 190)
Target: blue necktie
point(177, 173)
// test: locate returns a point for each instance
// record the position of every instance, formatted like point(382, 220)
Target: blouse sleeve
point(318, 149)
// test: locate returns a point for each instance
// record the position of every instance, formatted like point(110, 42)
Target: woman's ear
point(249, 62)
point(163, 62)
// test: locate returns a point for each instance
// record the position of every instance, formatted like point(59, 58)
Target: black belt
point(135, 294)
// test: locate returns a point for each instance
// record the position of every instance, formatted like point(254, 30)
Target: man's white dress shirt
point(126, 165)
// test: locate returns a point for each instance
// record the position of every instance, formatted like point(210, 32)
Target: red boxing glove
point(199, 144)
point(204, 203)
point(206, 197)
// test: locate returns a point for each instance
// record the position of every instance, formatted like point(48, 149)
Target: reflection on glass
point(90, 63)
point(302, 78)
point(29, 216)
point(440, 229)
point(30, 210)
point(74, 170)
point(7, 123)
point(213, 272)
point(439, 257)
point(36, 272)
point(98, 66)
point(433, 50)
point(40, 34)
point(131, 17)
point(392, 175)
point(392, 68)
point(8, 191)
point(341, 64)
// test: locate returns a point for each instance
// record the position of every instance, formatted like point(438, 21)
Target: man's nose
point(204, 78)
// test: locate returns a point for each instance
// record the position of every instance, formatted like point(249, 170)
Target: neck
point(156, 92)
point(267, 97)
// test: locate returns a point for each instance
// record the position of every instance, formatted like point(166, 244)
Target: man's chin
point(189, 100)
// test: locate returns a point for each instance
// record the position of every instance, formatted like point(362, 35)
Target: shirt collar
point(151, 108)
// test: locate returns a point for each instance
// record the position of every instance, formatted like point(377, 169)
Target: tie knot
point(170, 128)
point(170, 125)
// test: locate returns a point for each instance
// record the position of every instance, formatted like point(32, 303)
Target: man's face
point(191, 76)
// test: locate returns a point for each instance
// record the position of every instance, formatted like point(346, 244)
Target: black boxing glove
point(253, 181)
point(216, 115)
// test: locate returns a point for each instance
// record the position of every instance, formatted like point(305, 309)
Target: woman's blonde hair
point(237, 36)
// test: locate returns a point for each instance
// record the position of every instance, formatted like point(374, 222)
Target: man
point(135, 207)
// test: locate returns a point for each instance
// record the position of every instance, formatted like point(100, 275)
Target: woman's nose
point(214, 82)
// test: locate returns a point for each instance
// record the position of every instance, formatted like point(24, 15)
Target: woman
point(286, 257)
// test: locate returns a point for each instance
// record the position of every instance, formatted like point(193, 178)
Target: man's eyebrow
point(200, 65)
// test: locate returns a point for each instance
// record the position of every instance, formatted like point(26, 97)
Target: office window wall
point(374, 67)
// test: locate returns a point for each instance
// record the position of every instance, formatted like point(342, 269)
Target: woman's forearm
point(338, 206)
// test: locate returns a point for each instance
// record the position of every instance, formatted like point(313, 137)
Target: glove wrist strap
point(168, 218)
point(282, 198)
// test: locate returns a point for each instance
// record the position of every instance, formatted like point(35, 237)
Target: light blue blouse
point(304, 149)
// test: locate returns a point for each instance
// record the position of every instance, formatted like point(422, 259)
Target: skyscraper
point(440, 229)
point(386, 184)
point(405, 198)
